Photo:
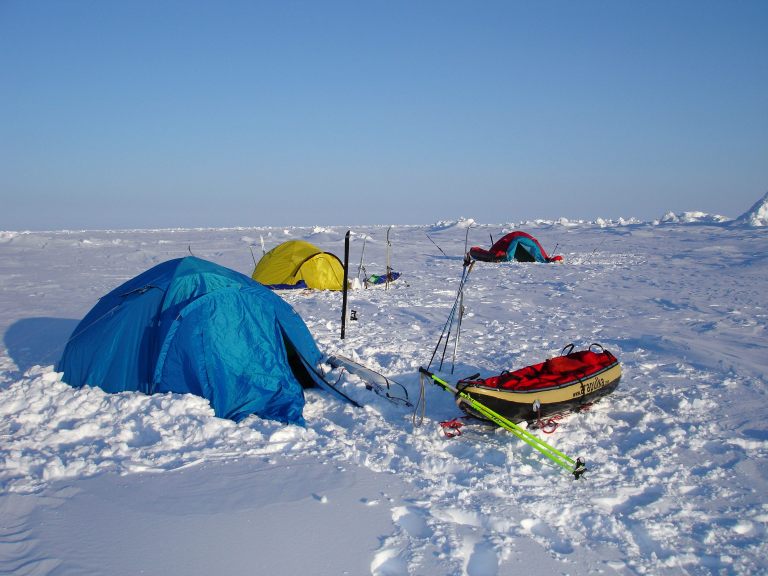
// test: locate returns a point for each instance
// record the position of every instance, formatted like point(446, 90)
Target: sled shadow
point(38, 341)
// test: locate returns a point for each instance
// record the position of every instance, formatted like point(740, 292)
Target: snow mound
point(757, 215)
point(571, 223)
point(62, 432)
point(568, 223)
point(462, 223)
point(692, 218)
point(322, 230)
point(609, 223)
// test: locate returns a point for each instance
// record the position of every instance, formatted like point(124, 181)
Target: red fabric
point(482, 254)
point(502, 245)
point(552, 372)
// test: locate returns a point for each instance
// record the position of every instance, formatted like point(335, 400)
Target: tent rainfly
point(519, 246)
point(192, 326)
point(299, 264)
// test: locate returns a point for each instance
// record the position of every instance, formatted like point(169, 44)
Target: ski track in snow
point(677, 455)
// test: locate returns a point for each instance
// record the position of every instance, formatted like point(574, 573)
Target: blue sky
point(163, 114)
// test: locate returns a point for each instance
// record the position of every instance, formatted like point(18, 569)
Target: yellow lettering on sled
point(591, 386)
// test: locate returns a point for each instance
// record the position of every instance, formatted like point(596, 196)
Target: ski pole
point(389, 268)
point(458, 332)
point(449, 322)
point(362, 254)
point(466, 239)
point(575, 467)
point(458, 305)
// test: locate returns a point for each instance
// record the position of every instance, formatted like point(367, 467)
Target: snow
point(757, 215)
point(92, 483)
point(462, 222)
point(693, 217)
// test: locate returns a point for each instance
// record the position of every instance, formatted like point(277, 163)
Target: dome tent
point(192, 326)
point(519, 246)
point(299, 264)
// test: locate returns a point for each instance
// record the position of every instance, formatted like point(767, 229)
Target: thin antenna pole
point(438, 247)
point(600, 245)
point(252, 256)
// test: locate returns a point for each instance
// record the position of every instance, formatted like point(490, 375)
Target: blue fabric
point(192, 326)
point(299, 285)
point(529, 245)
point(382, 279)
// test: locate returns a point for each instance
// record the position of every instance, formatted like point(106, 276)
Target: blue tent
point(192, 326)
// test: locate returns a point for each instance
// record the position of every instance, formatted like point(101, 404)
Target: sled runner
point(380, 384)
point(561, 384)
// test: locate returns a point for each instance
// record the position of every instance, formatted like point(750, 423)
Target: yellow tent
point(299, 264)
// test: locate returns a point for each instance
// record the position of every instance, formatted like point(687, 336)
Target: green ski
point(576, 467)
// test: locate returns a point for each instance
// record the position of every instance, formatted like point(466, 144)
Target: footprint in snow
point(412, 520)
point(482, 560)
point(541, 530)
point(388, 562)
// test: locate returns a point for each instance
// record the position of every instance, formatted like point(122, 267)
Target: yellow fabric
point(296, 260)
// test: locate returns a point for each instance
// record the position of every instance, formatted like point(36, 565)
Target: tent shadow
point(38, 341)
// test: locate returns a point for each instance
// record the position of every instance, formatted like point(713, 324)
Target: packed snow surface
point(92, 483)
